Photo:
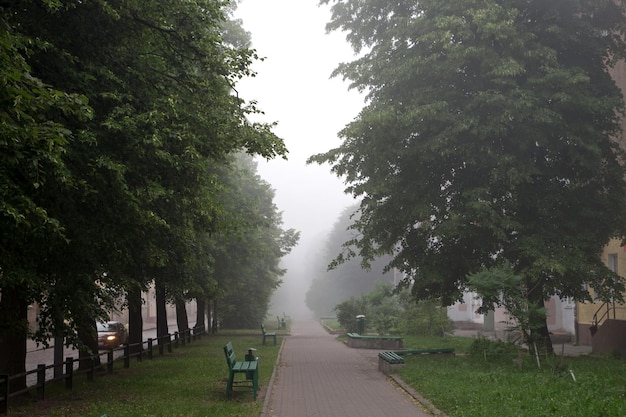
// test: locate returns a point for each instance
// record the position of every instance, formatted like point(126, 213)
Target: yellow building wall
point(586, 311)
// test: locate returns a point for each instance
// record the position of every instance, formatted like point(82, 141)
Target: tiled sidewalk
point(318, 376)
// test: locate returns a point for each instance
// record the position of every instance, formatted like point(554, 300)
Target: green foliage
point(487, 140)
point(119, 126)
point(425, 318)
point(380, 308)
point(384, 316)
point(348, 310)
point(387, 311)
point(499, 286)
point(483, 347)
point(248, 250)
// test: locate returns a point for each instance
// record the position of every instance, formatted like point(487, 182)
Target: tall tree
point(488, 141)
point(249, 247)
point(33, 137)
point(161, 83)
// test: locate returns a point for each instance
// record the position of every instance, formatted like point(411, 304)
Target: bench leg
point(255, 382)
point(229, 385)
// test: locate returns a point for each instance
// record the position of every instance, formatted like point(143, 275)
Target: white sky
point(293, 87)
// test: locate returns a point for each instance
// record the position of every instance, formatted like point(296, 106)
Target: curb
point(268, 393)
point(427, 405)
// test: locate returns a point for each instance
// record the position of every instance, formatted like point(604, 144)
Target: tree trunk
point(214, 317)
point(13, 335)
point(540, 335)
point(200, 315)
point(543, 335)
point(182, 321)
point(58, 356)
point(59, 340)
point(135, 321)
point(88, 335)
point(161, 310)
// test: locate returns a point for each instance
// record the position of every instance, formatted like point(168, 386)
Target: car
point(111, 335)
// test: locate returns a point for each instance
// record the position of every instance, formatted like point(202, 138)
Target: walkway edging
point(417, 396)
point(268, 392)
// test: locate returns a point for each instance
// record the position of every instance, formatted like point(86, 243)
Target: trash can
point(250, 357)
point(360, 324)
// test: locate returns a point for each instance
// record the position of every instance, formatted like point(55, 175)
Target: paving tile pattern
point(318, 376)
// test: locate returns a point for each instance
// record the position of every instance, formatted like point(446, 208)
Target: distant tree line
point(126, 161)
point(334, 282)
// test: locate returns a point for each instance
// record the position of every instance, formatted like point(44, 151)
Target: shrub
point(493, 348)
point(425, 318)
point(348, 310)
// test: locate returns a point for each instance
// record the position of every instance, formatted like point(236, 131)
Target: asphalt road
point(36, 355)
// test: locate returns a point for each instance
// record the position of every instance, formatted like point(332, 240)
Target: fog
point(293, 88)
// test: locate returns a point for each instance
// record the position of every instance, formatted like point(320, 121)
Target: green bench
point(358, 341)
point(388, 361)
point(268, 334)
point(373, 337)
point(247, 367)
point(441, 351)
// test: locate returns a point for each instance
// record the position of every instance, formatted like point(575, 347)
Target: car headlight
point(111, 338)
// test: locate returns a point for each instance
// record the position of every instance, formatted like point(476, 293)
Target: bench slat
point(391, 357)
point(359, 336)
point(424, 351)
point(245, 366)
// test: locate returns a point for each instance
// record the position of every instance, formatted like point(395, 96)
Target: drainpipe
point(576, 336)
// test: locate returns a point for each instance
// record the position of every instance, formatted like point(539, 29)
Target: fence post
point(69, 372)
point(169, 342)
point(4, 394)
point(92, 364)
point(150, 348)
point(126, 356)
point(176, 339)
point(110, 361)
point(183, 339)
point(41, 381)
point(140, 353)
point(161, 343)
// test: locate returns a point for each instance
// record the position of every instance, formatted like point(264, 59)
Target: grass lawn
point(190, 382)
point(331, 323)
point(470, 386)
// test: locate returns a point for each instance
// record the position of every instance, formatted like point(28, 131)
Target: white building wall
point(561, 314)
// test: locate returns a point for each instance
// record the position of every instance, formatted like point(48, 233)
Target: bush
point(388, 310)
point(425, 318)
point(493, 348)
point(347, 312)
